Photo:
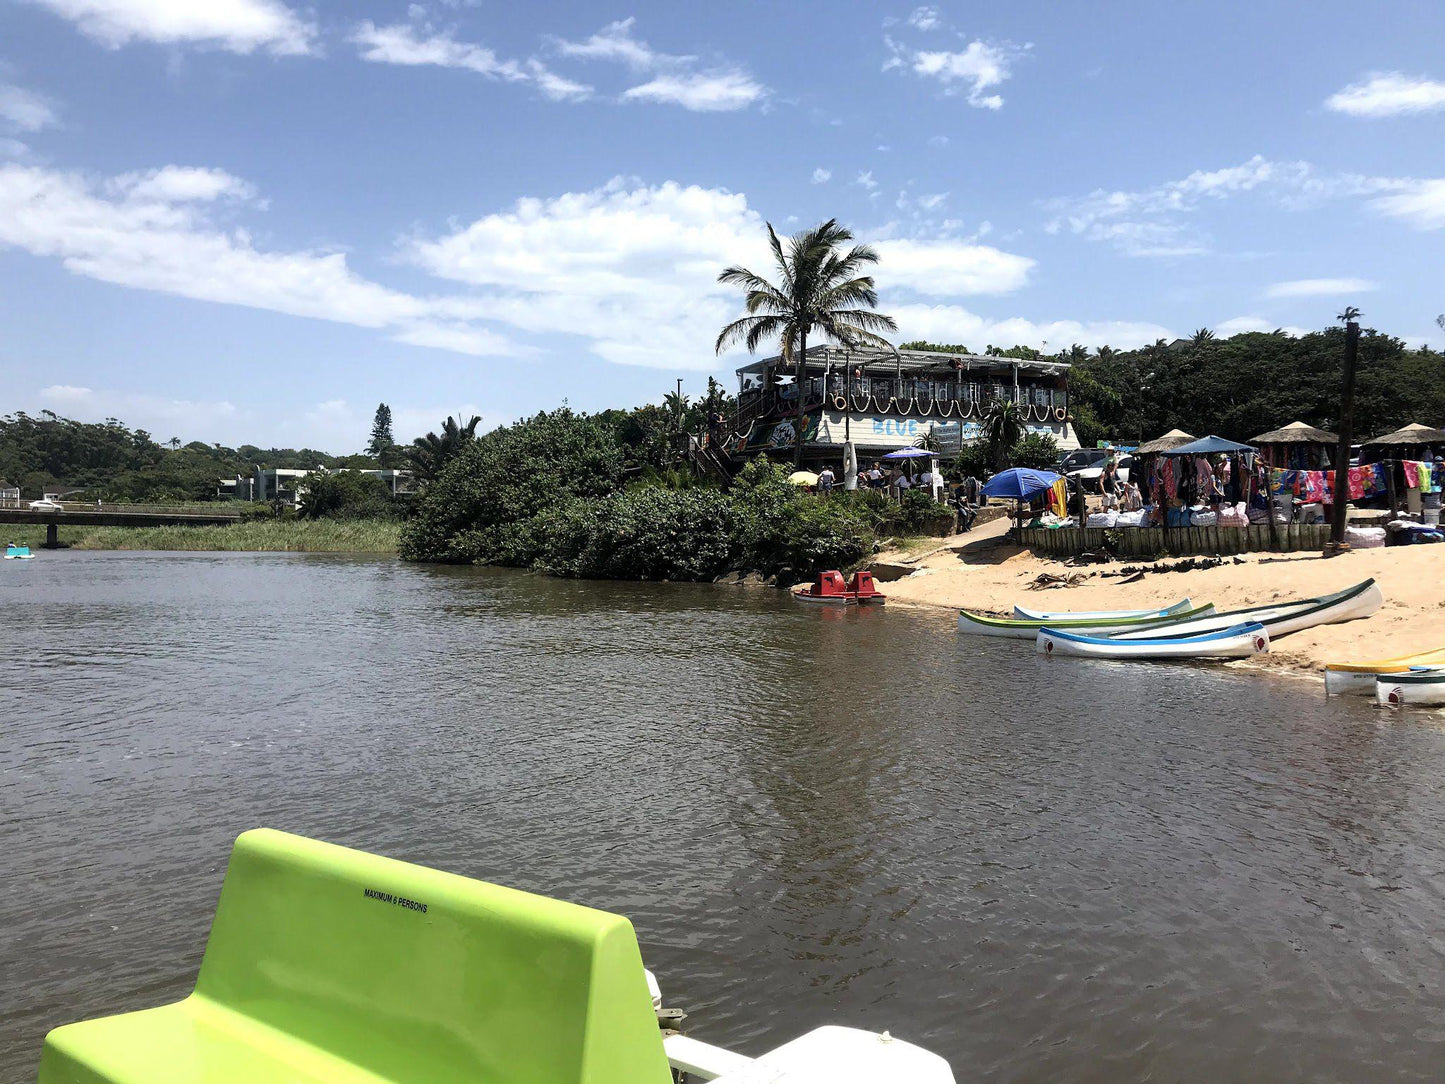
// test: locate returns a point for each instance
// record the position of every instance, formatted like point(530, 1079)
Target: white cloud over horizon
point(1389, 94)
point(1320, 287)
point(1159, 221)
point(237, 26)
point(151, 231)
point(1243, 324)
point(954, 324)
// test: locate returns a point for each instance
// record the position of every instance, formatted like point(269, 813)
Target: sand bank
point(982, 571)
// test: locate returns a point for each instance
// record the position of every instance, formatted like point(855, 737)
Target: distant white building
point(263, 484)
point(9, 495)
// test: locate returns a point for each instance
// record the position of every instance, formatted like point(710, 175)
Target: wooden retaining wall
point(1147, 542)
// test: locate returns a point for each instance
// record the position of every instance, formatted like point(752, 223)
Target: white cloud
point(1156, 221)
point(406, 45)
point(1389, 94)
point(954, 324)
point(159, 415)
point(865, 180)
point(14, 149)
point(701, 92)
point(1320, 287)
point(633, 269)
point(630, 268)
point(822, 176)
point(925, 18)
point(240, 26)
point(614, 42)
point(950, 268)
point(1242, 324)
point(938, 141)
point(979, 67)
point(182, 184)
point(1421, 203)
point(25, 110)
point(677, 80)
point(151, 232)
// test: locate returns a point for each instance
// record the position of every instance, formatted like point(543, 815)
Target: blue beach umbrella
point(910, 453)
point(1020, 483)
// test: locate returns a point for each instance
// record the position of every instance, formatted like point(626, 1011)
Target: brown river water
point(1042, 869)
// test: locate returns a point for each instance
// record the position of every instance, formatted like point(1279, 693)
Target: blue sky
point(252, 220)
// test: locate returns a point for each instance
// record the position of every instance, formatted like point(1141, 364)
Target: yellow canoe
point(1359, 677)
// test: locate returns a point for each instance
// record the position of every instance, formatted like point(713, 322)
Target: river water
point(1039, 868)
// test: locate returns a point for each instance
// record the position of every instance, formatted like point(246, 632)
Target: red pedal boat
point(830, 587)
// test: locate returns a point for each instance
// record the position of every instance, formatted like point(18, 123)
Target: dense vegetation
point(584, 495)
point(111, 461)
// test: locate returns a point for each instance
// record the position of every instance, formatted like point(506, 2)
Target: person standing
point(1109, 486)
point(826, 478)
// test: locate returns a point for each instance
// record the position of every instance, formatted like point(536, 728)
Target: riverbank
point(259, 535)
point(982, 571)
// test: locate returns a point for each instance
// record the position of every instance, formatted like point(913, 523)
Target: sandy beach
point(983, 571)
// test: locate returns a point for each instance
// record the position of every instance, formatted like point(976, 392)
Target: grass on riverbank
point(282, 536)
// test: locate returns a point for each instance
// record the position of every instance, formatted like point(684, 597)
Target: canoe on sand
point(1232, 643)
point(1027, 629)
point(1023, 613)
point(1423, 687)
point(1361, 600)
point(1359, 677)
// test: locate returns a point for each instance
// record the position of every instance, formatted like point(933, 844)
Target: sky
point(253, 220)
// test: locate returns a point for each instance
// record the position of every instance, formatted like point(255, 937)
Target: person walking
point(826, 478)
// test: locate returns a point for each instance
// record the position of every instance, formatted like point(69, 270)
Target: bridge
point(114, 515)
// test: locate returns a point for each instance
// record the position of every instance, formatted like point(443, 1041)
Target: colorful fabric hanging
point(1171, 482)
point(1412, 474)
point(1313, 484)
point(1427, 478)
point(1357, 483)
point(1059, 498)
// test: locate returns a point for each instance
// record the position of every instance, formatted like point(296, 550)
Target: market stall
point(1409, 460)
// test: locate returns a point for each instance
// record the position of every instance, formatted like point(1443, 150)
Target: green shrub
point(347, 494)
point(1036, 451)
point(642, 533)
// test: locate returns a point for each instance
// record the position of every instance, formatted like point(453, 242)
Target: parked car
point(1084, 467)
point(45, 504)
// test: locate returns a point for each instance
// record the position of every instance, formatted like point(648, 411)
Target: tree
point(429, 454)
point(1350, 313)
point(1202, 337)
point(174, 443)
point(1003, 426)
point(382, 442)
point(820, 288)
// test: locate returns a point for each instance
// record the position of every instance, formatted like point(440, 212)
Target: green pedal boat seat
point(328, 964)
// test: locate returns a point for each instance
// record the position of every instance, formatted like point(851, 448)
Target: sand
point(983, 571)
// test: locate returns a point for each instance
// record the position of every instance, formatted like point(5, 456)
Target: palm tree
point(819, 289)
point(429, 454)
point(1003, 427)
point(1202, 337)
point(1350, 313)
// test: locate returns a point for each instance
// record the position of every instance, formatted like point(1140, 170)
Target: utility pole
point(1347, 421)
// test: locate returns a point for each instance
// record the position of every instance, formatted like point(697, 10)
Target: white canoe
point(1236, 642)
point(1359, 677)
point(1424, 687)
point(1023, 613)
point(1028, 628)
point(1361, 600)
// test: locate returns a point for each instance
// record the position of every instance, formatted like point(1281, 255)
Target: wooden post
point(1394, 494)
point(1347, 420)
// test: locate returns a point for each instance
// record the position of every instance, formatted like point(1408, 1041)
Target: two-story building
point(883, 400)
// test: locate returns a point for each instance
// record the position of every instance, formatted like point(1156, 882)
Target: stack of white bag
point(1202, 517)
point(1130, 519)
point(1365, 538)
point(1103, 519)
point(1234, 515)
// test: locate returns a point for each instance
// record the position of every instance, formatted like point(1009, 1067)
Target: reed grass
point(272, 536)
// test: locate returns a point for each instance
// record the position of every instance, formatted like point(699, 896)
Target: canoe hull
point(1411, 689)
point(1343, 678)
point(1014, 628)
point(1353, 603)
point(1022, 613)
point(1238, 642)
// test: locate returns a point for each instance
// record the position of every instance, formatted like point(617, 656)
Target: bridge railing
point(193, 508)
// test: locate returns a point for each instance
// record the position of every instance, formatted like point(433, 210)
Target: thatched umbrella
point(1414, 433)
point(1296, 433)
point(1170, 440)
point(1297, 445)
